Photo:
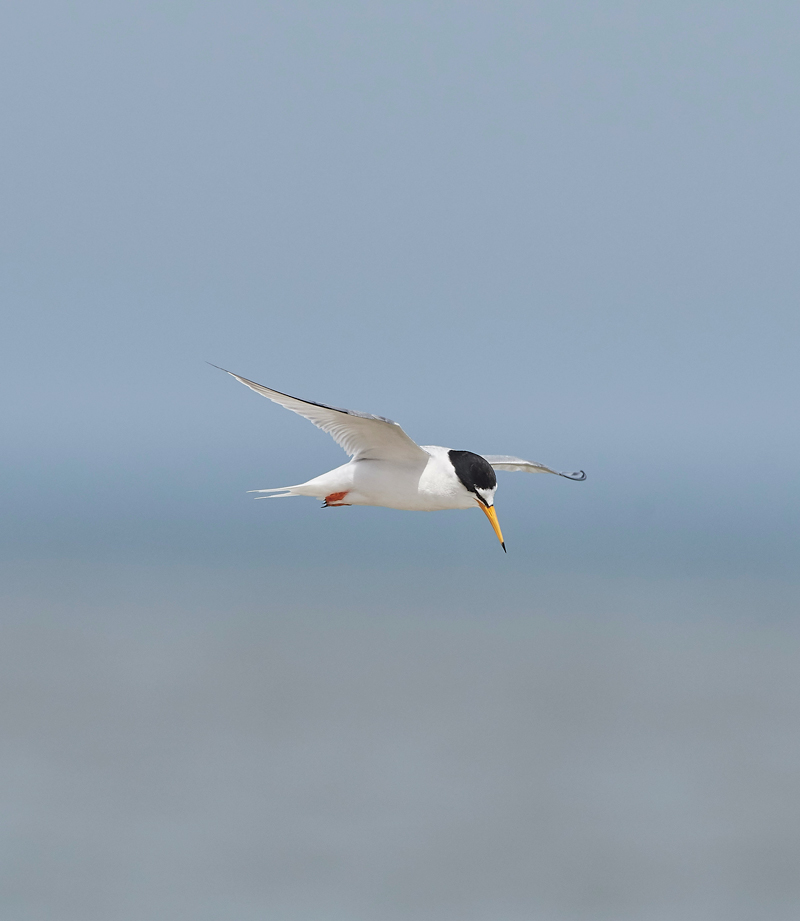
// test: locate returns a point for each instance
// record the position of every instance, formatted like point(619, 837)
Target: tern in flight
point(387, 468)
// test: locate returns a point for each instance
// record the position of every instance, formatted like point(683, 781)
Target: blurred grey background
point(564, 231)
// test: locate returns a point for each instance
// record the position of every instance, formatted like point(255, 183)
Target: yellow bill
point(491, 514)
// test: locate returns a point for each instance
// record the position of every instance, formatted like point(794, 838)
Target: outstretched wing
point(506, 462)
point(362, 436)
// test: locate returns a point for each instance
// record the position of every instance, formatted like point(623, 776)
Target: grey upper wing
point(506, 462)
point(363, 436)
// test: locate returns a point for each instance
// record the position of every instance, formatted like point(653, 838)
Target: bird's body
point(425, 485)
point(388, 469)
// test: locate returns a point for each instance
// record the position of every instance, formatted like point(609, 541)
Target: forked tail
point(279, 492)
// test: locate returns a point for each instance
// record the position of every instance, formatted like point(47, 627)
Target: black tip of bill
point(503, 545)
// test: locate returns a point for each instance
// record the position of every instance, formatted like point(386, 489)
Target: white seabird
point(387, 468)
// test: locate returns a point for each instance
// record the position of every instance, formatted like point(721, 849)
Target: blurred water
point(183, 742)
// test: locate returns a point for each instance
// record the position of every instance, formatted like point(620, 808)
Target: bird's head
point(478, 478)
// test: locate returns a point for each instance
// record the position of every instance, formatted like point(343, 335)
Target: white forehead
point(487, 494)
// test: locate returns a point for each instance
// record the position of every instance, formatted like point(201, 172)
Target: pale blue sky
point(567, 232)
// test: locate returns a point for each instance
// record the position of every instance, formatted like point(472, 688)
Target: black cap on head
point(474, 471)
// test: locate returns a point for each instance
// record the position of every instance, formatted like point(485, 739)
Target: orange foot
point(335, 499)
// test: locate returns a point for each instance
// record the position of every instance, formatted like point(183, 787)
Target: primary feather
point(363, 436)
point(507, 462)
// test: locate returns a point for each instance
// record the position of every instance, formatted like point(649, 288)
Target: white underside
point(429, 486)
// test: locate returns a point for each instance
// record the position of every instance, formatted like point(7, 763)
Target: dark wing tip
point(338, 409)
point(579, 476)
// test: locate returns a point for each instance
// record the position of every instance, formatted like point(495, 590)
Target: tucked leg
point(335, 499)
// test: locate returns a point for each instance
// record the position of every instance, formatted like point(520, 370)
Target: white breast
point(427, 487)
